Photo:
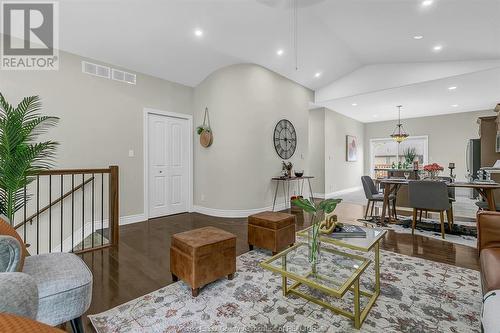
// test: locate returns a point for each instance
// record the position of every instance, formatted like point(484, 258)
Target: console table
point(285, 182)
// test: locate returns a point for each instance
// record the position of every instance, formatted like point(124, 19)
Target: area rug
point(416, 296)
point(404, 227)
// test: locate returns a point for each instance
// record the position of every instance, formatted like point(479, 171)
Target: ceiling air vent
point(95, 69)
point(119, 75)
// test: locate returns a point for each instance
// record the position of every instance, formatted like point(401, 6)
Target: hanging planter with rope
point(205, 131)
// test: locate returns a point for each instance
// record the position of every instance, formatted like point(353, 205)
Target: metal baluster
point(72, 212)
point(83, 211)
point(37, 214)
point(50, 213)
point(102, 209)
point(92, 214)
point(62, 211)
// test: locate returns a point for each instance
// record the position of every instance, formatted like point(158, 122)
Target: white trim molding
point(145, 154)
point(341, 192)
point(235, 213)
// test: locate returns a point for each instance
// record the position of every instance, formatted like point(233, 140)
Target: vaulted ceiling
point(335, 37)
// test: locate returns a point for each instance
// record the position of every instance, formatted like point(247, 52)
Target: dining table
point(392, 186)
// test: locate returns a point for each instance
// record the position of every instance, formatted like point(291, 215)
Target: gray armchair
point(52, 288)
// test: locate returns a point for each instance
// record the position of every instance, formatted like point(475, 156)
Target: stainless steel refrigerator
point(473, 161)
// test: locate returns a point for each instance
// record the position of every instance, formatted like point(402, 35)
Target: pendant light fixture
point(399, 134)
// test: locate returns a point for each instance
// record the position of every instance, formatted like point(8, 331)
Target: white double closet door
point(168, 165)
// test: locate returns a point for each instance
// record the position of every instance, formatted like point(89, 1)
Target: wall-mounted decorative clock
point(285, 139)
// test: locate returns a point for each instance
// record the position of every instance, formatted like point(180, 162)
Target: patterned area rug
point(404, 227)
point(417, 296)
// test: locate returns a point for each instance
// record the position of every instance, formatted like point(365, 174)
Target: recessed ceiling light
point(198, 32)
point(375, 116)
point(452, 88)
point(454, 105)
point(318, 74)
point(354, 104)
point(280, 52)
point(437, 48)
point(427, 3)
point(418, 37)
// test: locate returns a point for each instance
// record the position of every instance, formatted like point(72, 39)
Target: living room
point(192, 165)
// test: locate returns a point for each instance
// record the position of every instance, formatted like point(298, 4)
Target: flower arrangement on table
point(433, 169)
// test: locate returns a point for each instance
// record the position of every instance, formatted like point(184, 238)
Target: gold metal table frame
point(358, 315)
point(358, 244)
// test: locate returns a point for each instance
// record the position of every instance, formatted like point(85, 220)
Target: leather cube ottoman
point(273, 231)
point(201, 256)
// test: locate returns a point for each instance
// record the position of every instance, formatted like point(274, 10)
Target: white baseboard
point(234, 213)
point(341, 192)
point(129, 219)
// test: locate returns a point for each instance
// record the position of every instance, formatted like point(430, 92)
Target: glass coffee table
point(371, 242)
point(336, 274)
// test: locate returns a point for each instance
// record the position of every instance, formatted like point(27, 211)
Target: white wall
point(317, 149)
point(101, 119)
point(245, 103)
point(340, 174)
point(328, 156)
point(448, 135)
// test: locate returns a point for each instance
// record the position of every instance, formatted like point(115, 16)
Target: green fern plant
point(21, 157)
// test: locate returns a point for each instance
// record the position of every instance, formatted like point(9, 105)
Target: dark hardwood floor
point(140, 264)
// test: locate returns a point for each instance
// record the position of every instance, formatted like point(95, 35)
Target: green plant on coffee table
point(326, 207)
point(21, 157)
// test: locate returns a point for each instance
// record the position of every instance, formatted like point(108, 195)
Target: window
point(384, 152)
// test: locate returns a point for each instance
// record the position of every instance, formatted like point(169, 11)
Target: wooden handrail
point(72, 172)
point(67, 194)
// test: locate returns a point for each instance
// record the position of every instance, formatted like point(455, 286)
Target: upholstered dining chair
point(373, 195)
point(425, 195)
point(451, 196)
point(51, 288)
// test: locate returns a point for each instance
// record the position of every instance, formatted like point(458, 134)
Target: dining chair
point(373, 195)
point(451, 196)
point(425, 195)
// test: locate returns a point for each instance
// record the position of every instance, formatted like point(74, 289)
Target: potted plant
point(287, 167)
point(326, 207)
point(410, 154)
point(205, 132)
point(21, 156)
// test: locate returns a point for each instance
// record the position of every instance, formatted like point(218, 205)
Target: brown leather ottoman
point(271, 230)
point(201, 256)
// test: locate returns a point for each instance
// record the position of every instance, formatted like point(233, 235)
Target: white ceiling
point(336, 37)
point(475, 91)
